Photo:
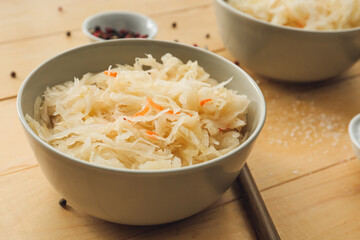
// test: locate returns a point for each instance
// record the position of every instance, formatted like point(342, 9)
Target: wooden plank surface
point(302, 161)
point(37, 18)
point(13, 138)
point(306, 127)
point(324, 205)
point(26, 54)
point(32, 212)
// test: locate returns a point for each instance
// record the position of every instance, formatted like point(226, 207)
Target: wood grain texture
point(15, 152)
point(274, 148)
point(26, 54)
point(302, 160)
point(37, 18)
point(324, 205)
point(312, 145)
point(306, 127)
point(32, 212)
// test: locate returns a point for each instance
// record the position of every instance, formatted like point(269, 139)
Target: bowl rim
point(250, 139)
point(226, 5)
point(85, 23)
point(351, 130)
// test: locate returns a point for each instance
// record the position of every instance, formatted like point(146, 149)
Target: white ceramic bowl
point(354, 132)
point(286, 53)
point(133, 196)
point(119, 20)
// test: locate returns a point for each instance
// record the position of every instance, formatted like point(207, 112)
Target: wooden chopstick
point(256, 208)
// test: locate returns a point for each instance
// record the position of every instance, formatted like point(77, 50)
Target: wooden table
point(302, 162)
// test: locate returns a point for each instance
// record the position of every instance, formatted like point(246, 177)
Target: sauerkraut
point(151, 115)
point(306, 14)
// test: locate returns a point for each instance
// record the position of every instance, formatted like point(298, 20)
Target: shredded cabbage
point(142, 119)
point(307, 14)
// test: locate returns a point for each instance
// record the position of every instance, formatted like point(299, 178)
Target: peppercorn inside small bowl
point(117, 25)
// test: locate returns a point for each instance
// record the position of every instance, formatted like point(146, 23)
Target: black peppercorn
point(174, 25)
point(68, 33)
point(13, 74)
point(63, 202)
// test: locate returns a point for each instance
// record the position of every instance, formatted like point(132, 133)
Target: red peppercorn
point(109, 30)
point(195, 45)
point(236, 63)
point(124, 31)
point(111, 33)
point(60, 9)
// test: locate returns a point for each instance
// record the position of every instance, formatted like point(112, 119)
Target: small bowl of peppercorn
point(112, 25)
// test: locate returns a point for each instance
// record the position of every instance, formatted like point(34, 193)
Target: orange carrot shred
point(299, 24)
point(159, 107)
point(205, 101)
point(144, 111)
point(110, 74)
point(128, 120)
point(152, 103)
point(151, 134)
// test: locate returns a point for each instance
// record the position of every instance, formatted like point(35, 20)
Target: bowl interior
point(121, 20)
point(98, 56)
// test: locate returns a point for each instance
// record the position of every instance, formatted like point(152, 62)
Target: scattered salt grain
point(305, 124)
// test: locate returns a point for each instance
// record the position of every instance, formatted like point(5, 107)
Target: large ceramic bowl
point(133, 196)
point(286, 53)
